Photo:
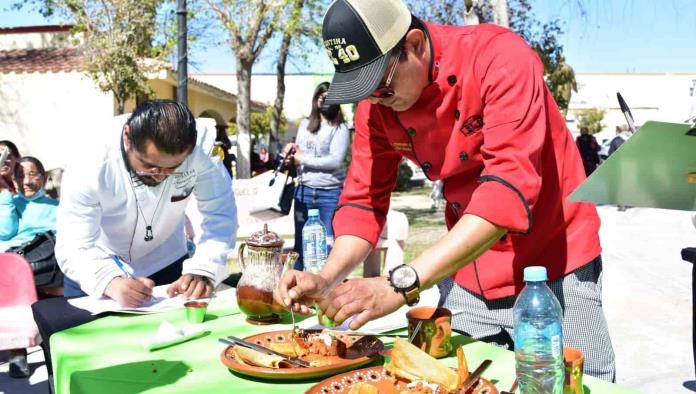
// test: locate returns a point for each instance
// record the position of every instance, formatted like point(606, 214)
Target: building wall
point(48, 114)
point(38, 40)
point(223, 111)
point(298, 90)
point(668, 97)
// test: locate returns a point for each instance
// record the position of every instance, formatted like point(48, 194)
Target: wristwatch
point(404, 280)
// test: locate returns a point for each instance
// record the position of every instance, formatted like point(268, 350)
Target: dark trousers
point(56, 314)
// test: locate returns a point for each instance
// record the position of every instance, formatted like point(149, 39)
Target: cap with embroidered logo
point(359, 37)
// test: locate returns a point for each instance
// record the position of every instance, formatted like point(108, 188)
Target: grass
point(426, 225)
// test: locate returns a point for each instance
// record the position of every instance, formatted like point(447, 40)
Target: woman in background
point(26, 214)
point(30, 211)
point(320, 153)
point(7, 168)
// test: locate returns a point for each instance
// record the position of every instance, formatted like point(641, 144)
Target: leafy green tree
point(403, 177)
point(592, 119)
point(302, 27)
point(260, 124)
point(117, 37)
point(249, 24)
point(544, 38)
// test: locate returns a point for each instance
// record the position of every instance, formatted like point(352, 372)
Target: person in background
point(261, 162)
point(589, 150)
point(319, 153)
point(622, 135)
point(30, 212)
point(224, 139)
point(7, 168)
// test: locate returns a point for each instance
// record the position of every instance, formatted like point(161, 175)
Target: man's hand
point(191, 286)
point(4, 186)
point(300, 290)
point(369, 298)
point(130, 292)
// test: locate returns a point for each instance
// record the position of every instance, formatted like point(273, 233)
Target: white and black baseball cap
point(359, 37)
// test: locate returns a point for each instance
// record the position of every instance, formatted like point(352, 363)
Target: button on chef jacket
point(489, 128)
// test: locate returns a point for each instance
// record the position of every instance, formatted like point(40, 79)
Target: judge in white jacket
point(121, 216)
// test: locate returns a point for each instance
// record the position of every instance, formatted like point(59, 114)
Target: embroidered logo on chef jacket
point(183, 185)
point(402, 146)
point(472, 124)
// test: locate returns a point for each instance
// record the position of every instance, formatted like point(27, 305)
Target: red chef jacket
point(489, 128)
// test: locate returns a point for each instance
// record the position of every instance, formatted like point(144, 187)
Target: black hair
point(416, 24)
point(13, 148)
point(167, 123)
point(314, 115)
point(33, 160)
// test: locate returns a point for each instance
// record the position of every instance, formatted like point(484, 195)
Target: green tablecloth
point(107, 356)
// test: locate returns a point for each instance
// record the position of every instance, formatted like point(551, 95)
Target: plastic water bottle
point(314, 242)
point(538, 331)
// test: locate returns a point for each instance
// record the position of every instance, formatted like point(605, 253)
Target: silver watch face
point(404, 277)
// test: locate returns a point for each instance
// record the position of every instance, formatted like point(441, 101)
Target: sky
point(600, 36)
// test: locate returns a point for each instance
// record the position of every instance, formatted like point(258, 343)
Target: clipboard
point(655, 168)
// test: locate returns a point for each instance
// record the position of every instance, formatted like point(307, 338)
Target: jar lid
point(265, 238)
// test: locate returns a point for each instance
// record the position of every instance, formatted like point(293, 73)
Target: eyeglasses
point(158, 173)
point(32, 174)
point(153, 170)
point(384, 91)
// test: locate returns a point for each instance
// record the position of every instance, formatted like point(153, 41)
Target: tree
point(592, 119)
point(301, 21)
point(260, 124)
point(518, 15)
point(250, 25)
point(118, 41)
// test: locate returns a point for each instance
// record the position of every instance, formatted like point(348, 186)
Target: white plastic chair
point(391, 245)
point(18, 329)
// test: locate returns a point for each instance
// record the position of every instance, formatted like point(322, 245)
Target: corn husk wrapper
point(410, 363)
point(253, 357)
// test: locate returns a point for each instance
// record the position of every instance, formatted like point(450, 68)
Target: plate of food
point(409, 371)
point(327, 354)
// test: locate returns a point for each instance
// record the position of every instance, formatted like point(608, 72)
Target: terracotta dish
point(360, 350)
point(385, 384)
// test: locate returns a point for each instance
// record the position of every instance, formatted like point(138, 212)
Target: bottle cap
point(535, 274)
point(313, 212)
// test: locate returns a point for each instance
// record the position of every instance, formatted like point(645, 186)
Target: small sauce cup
point(195, 311)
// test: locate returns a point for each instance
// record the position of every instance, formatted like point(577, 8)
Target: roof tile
point(41, 60)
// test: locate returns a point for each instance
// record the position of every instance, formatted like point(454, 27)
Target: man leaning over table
point(121, 216)
point(469, 105)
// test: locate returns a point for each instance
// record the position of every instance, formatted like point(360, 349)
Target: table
point(107, 356)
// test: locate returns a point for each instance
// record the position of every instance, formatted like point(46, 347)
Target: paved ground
point(647, 296)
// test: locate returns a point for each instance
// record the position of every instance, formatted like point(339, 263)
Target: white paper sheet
point(159, 302)
point(167, 334)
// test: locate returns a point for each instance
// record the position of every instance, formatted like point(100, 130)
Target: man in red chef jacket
point(469, 105)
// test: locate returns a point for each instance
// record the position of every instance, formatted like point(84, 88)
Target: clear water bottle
point(538, 331)
point(313, 242)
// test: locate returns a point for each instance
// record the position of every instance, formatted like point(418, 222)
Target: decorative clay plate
point(341, 384)
point(360, 350)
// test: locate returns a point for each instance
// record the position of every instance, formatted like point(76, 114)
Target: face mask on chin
point(40, 193)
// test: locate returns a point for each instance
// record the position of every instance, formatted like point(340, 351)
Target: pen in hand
point(128, 271)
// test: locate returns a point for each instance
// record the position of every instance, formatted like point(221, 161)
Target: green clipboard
point(654, 168)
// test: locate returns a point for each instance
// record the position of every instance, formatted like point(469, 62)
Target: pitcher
point(261, 272)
